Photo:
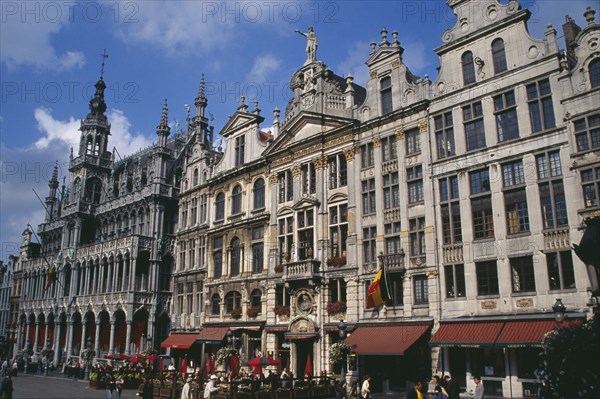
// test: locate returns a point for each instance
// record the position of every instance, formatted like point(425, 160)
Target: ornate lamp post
point(88, 355)
point(559, 309)
point(342, 331)
point(47, 355)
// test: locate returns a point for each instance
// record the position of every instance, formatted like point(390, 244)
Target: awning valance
point(519, 333)
point(212, 334)
point(179, 341)
point(386, 340)
point(468, 334)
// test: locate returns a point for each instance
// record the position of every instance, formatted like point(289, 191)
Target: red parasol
point(110, 356)
point(308, 369)
point(262, 361)
point(136, 358)
point(123, 356)
point(151, 358)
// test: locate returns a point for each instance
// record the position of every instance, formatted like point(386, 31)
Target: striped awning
point(386, 339)
point(467, 334)
point(179, 341)
point(521, 333)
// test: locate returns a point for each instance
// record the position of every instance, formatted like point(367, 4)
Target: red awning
point(467, 334)
point(519, 333)
point(212, 334)
point(179, 341)
point(386, 340)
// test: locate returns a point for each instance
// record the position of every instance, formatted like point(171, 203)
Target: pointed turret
point(200, 123)
point(200, 102)
point(163, 129)
point(51, 198)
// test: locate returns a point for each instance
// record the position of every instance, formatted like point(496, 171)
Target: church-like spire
point(53, 183)
point(163, 129)
point(201, 100)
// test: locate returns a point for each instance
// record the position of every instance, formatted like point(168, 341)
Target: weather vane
point(104, 56)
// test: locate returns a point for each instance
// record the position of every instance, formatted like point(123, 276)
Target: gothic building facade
point(458, 186)
point(100, 279)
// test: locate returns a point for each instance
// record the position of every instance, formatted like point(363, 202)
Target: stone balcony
point(304, 269)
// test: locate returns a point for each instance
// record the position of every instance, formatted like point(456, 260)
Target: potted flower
point(236, 313)
point(281, 310)
point(337, 261)
point(337, 307)
point(338, 351)
point(253, 311)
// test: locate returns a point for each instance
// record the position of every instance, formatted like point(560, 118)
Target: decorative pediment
point(384, 54)
point(337, 197)
point(286, 210)
point(302, 325)
point(240, 120)
point(306, 202)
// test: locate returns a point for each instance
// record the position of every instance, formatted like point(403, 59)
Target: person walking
point(119, 386)
point(109, 385)
point(365, 390)
point(479, 392)
point(452, 387)
point(211, 388)
point(6, 388)
point(416, 393)
point(340, 390)
point(186, 390)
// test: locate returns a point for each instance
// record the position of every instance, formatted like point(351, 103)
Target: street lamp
point(342, 331)
point(48, 354)
point(559, 309)
point(87, 358)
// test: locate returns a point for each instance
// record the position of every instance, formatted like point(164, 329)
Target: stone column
point(128, 337)
point(111, 343)
point(97, 337)
point(69, 343)
point(83, 333)
point(37, 331)
point(56, 344)
point(46, 333)
point(111, 273)
point(19, 338)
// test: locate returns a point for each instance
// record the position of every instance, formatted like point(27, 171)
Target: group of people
point(113, 385)
point(444, 388)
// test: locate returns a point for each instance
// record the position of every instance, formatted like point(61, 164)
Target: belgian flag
point(51, 277)
point(378, 291)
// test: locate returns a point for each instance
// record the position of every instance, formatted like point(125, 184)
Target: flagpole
point(382, 262)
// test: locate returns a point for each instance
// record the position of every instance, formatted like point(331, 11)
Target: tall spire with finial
point(163, 129)
point(201, 100)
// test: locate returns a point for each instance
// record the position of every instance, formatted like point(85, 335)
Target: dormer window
point(240, 143)
point(386, 95)
point(468, 68)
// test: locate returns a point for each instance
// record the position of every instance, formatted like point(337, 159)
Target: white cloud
point(177, 27)
point(354, 63)
point(25, 37)
point(263, 67)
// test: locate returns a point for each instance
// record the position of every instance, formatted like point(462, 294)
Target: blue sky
point(50, 59)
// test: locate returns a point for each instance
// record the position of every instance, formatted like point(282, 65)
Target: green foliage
point(94, 376)
point(569, 361)
point(225, 353)
point(338, 351)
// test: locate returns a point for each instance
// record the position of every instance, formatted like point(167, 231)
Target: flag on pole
point(378, 292)
point(51, 277)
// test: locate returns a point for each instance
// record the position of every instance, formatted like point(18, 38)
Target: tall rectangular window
point(590, 181)
point(338, 228)
point(203, 208)
point(368, 196)
point(194, 213)
point(367, 155)
point(552, 192)
point(515, 198)
point(417, 236)
point(386, 95)
point(450, 210)
point(505, 110)
point(182, 254)
point(392, 238)
point(481, 205)
point(369, 245)
point(487, 278)
point(388, 148)
point(522, 274)
point(257, 249)
point(338, 171)
point(306, 221)
point(201, 251)
point(587, 132)
point(444, 135)
point(286, 186)
point(391, 190)
point(218, 256)
point(309, 179)
point(240, 144)
point(541, 111)
point(414, 178)
point(473, 124)
point(192, 253)
point(561, 275)
point(396, 286)
point(421, 289)
point(413, 141)
point(285, 237)
point(455, 281)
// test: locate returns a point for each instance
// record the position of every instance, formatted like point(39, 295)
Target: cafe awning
point(467, 334)
point(386, 339)
point(179, 341)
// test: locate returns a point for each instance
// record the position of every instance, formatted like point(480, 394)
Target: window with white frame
point(388, 148)
point(541, 110)
point(309, 179)
point(286, 186)
point(444, 135)
point(515, 197)
point(505, 111)
point(455, 280)
point(450, 210)
point(338, 228)
point(473, 125)
point(338, 171)
point(590, 181)
point(552, 191)
point(413, 141)
point(285, 238)
point(417, 236)
point(561, 275)
point(421, 289)
point(587, 132)
point(391, 190)
point(257, 249)
point(367, 155)
point(306, 233)
point(414, 178)
point(369, 204)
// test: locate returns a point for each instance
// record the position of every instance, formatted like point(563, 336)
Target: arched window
point(89, 145)
point(215, 305)
point(386, 95)
point(195, 178)
point(259, 194)
point(499, 56)
point(220, 207)
point(233, 300)
point(595, 72)
point(235, 256)
point(236, 200)
point(255, 299)
point(93, 190)
point(468, 68)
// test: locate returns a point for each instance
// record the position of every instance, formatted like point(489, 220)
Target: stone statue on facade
point(311, 44)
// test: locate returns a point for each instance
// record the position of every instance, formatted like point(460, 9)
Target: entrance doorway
point(304, 357)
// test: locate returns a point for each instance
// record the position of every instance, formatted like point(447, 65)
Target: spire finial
point(165, 114)
point(163, 129)
point(202, 89)
point(104, 56)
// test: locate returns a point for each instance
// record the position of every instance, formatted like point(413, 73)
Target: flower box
point(236, 313)
point(281, 310)
point(253, 311)
point(338, 307)
point(337, 261)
